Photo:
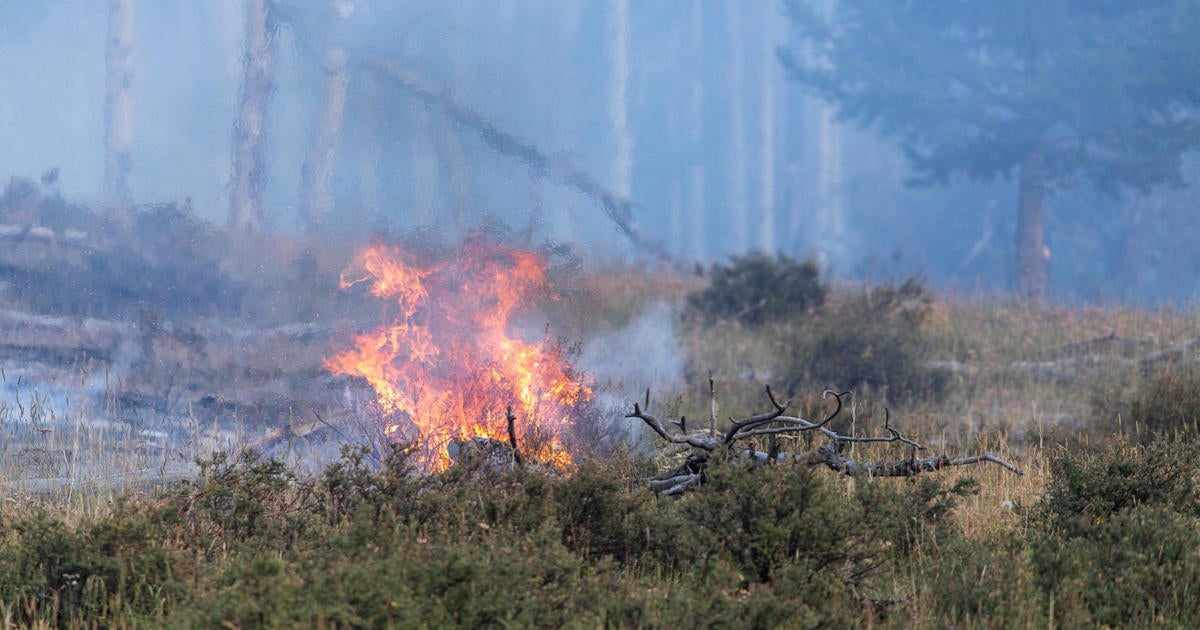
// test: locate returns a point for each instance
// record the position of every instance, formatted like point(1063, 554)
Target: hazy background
point(682, 106)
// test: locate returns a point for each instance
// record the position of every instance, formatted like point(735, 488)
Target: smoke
point(624, 363)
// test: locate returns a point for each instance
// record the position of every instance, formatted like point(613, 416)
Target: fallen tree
point(773, 424)
point(542, 163)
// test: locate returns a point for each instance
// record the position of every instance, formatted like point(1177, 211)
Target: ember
point(445, 368)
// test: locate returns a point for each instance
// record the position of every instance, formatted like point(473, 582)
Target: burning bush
point(445, 365)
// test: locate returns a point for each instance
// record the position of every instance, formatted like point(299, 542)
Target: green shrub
point(915, 514)
point(1116, 536)
point(1089, 488)
point(972, 583)
point(757, 288)
point(1139, 568)
point(250, 501)
point(602, 516)
point(369, 544)
point(1169, 404)
point(783, 519)
point(117, 567)
point(873, 339)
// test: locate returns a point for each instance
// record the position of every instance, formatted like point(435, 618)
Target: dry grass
point(1020, 415)
point(1004, 412)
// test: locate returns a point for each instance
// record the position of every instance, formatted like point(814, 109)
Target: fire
point(444, 367)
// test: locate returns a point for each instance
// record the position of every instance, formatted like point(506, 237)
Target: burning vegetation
point(446, 365)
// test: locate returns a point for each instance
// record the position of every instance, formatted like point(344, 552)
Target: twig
point(705, 444)
point(712, 406)
point(512, 435)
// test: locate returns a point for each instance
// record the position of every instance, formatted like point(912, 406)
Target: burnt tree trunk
point(1031, 247)
point(317, 172)
point(118, 102)
point(250, 128)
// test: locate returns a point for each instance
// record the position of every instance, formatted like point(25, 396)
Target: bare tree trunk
point(830, 220)
point(794, 115)
point(370, 154)
point(317, 172)
point(698, 212)
point(250, 129)
point(739, 188)
point(1031, 247)
point(118, 103)
point(676, 239)
point(561, 226)
point(770, 74)
point(618, 110)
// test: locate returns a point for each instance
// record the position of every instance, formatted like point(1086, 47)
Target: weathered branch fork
point(773, 424)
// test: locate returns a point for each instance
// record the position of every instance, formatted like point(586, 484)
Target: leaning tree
point(1053, 89)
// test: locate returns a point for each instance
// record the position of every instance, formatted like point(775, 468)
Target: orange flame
point(445, 368)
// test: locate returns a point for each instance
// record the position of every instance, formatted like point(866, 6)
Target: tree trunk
point(830, 219)
point(618, 87)
point(317, 172)
point(1031, 248)
point(697, 213)
point(250, 129)
point(566, 87)
point(767, 122)
point(739, 189)
point(118, 103)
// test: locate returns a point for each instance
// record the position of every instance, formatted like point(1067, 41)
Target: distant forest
point(878, 141)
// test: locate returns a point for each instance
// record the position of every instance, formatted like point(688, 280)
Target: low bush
point(1116, 539)
point(1090, 488)
point(980, 584)
point(873, 339)
point(757, 288)
point(1167, 405)
point(1138, 568)
point(365, 544)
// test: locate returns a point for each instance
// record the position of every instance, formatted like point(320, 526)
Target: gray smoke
point(624, 363)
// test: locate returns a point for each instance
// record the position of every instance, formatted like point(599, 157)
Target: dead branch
point(773, 424)
point(512, 436)
point(541, 163)
point(674, 485)
point(831, 455)
point(656, 425)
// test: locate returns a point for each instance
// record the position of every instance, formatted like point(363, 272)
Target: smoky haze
point(584, 121)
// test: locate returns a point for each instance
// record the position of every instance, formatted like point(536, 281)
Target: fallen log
point(1183, 352)
point(773, 424)
point(49, 335)
point(1108, 352)
point(146, 479)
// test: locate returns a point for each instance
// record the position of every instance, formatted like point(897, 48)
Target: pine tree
point(1052, 89)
